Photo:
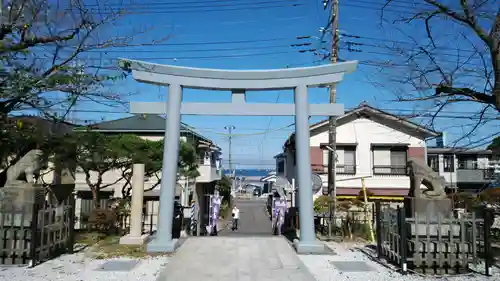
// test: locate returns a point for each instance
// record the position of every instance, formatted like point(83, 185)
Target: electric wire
point(190, 11)
point(413, 114)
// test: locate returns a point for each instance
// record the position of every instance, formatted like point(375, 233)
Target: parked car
point(257, 192)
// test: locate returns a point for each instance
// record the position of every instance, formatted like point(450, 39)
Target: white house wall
point(358, 130)
point(364, 133)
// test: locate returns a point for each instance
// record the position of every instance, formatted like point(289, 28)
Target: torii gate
point(237, 81)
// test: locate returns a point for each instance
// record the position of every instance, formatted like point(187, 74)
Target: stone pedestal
point(135, 237)
point(130, 239)
point(430, 209)
point(17, 203)
point(311, 248)
point(431, 231)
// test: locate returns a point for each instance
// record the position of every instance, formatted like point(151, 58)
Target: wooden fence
point(34, 233)
point(431, 244)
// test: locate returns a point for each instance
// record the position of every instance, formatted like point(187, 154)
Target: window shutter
point(398, 158)
point(381, 156)
point(350, 161)
point(349, 157)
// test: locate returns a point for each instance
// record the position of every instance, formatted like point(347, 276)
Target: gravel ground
point(323, 270)
point(77, 267)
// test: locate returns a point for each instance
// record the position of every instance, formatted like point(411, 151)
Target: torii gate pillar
point(237, 81)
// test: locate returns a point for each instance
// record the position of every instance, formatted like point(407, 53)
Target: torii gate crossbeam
point(238, 82)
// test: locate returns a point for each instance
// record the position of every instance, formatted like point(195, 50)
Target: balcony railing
point(476, 175)
point(339, 169)
point(467, 165)
point(389, 170)
point(345, 169)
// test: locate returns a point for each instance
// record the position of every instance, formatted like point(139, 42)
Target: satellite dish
point(317, 183)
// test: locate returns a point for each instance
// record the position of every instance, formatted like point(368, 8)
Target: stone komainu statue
point(24, 170)
point(420, 174)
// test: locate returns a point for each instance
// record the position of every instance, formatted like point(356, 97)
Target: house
point(371, 143)
point(465, 169)
point(152, 127)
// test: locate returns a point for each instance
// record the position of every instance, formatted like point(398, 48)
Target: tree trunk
point(95, 197)
point(94, 188)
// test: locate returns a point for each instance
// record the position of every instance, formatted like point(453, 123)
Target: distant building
point(464, 169)
point(370, 143)
point(152, 127)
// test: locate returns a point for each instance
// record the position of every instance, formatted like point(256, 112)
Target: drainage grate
point(352, 266)
point(118, 265)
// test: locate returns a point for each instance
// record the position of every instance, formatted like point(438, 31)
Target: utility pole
point(332, 121)
point(230, 129)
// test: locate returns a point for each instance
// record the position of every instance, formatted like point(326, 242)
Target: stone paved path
point(235, 259)
point(254, 220)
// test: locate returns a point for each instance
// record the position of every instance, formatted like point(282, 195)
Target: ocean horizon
point(249, 172)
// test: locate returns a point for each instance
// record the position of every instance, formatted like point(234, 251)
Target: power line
point(191, 10)
point(305, 44)
point(415, 113)
point(199, 57)
point(213, 42)
point(186, 4)
point(203, 50)
point(381, 63)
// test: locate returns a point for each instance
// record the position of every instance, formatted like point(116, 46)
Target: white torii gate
point(238, 82)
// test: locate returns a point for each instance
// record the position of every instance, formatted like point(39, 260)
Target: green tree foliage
point(188, 160)
point(495, 145)
point(16, 138)
point(150, 153)
point(95, 154)
point(20, 134)
point(224, 184)
point(321, 204)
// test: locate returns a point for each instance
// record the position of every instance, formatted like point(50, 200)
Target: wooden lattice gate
point(424, 245)
point(32, 230)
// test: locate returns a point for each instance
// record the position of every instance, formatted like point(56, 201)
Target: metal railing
point(389, 170)
point(340, 169)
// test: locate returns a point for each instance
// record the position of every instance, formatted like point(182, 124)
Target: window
point(345, 160)
point(280, 169)
point(433, 162)
point(389, 160)
point(467, 162)
point(448, 163)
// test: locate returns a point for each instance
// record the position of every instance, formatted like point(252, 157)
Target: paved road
point(254, 220)
point(235, 259)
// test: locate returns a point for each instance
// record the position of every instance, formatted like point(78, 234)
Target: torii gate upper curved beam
point(217, 79)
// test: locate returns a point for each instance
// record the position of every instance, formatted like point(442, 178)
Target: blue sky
point(257, 34)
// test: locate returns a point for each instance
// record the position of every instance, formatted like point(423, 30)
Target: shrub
point(224, 209)
point(103, 220)
point(321, 204)
point(463, 200)
point(490, 195)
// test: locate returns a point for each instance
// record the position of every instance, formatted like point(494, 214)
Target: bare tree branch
point(450, 86)
point(41, 48)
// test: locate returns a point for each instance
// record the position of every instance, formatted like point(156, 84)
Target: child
point(236, 217)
